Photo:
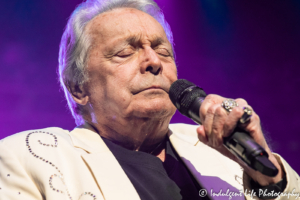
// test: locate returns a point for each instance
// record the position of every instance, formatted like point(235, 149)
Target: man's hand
point(217, 123)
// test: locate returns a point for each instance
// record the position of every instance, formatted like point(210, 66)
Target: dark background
point(237, 48)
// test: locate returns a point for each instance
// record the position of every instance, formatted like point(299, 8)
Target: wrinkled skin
point(130, 69)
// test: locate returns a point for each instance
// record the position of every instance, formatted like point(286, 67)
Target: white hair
point(75, 44)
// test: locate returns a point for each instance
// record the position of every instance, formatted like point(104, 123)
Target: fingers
point(202, 135)
point(212, 117)
point(241, 102)
point(232, 120)
point(209, 101)
point(208, 123)
point(217, 123)
point(217, 131)
point(234, 117)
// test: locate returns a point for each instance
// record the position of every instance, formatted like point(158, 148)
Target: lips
point(154, 87)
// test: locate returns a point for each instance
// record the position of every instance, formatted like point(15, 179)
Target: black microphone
point(187, 97)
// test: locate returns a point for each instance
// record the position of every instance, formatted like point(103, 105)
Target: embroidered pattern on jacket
point(60, 175)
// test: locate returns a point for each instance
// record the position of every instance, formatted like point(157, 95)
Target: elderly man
point(116, 67)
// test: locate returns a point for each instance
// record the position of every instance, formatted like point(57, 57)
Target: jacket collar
point(88, 140)
point(91, 141)
point(189, 138)
point(109, 175)
point(198, 157)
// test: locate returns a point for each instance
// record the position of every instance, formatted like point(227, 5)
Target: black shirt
point(154, 179)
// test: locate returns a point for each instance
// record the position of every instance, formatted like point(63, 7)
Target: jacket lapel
point(108, 174)
point(212, 170)
point(217, 172)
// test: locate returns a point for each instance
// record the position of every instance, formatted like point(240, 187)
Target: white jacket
point(56, 164)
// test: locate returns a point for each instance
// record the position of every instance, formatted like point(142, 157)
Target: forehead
point(124, 22)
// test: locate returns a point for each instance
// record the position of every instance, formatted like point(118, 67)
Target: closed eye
point(125, 53)
point(162, 52)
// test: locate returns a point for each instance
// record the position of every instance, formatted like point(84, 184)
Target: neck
point(142, 134)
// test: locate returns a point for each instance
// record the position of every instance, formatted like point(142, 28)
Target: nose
point(151, 62)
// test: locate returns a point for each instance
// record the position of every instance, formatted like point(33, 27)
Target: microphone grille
point(177, 88)
point(183, 93)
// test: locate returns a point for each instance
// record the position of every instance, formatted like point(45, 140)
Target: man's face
point(130, 66)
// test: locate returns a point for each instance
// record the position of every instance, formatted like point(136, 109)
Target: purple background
point(247, 49)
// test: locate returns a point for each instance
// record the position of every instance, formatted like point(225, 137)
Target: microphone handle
point(241, 145)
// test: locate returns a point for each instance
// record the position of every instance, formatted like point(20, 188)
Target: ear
point(78, 93)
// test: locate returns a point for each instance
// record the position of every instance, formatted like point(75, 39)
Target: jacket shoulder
point(20, 135)
point(16, 141)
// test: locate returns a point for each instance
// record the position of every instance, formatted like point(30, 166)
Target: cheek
point(115, 95)
point(171, 73)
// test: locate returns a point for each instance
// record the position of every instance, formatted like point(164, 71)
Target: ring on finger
point(229, 104)
point(247, 115)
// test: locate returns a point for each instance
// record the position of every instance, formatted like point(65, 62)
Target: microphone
point(187, 97)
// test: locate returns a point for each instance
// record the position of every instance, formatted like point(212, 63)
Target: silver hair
point(74, 45)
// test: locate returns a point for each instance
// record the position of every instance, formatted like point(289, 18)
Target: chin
point(155, 109)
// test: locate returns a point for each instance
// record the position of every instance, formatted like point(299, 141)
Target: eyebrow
point(154, 42)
